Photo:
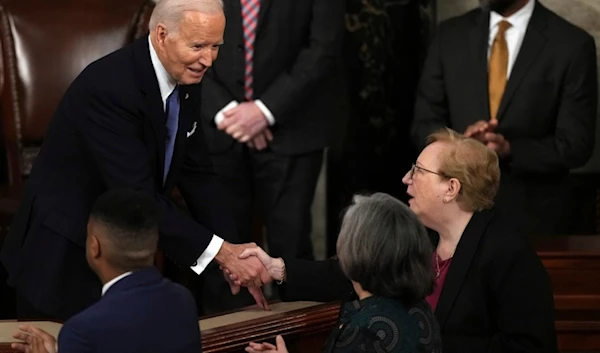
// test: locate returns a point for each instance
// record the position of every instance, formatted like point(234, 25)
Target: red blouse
point(442, 267)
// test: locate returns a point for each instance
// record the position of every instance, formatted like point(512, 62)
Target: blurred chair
point(44, 46)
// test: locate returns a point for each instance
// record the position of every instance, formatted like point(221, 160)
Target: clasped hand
point(247, 124)
point(484, 131)
point(249, 271)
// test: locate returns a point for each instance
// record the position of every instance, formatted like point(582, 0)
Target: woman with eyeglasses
point(492, 293)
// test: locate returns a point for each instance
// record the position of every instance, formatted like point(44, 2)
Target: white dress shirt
point(167, 84)
point(514, 34)
point(113, 281)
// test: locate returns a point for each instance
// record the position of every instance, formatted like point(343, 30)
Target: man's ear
point(94, 247)
point(161, 33)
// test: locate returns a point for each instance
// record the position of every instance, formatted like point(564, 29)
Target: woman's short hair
point(473, 164)
point(383, 246)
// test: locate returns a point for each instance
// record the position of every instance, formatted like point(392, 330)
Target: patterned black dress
point(382, 325)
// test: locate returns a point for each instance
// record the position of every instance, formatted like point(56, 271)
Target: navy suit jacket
point(109, 132)
point(142, 312)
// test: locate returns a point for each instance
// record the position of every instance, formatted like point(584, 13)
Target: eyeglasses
point(415, 167)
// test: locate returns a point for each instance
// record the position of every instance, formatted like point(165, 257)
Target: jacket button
point(195, 263)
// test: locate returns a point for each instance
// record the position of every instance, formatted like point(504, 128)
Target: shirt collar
point(166, 82)
point(518, 20)
point(110, 283)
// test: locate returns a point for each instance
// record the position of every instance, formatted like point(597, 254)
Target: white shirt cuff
point(263, 108)
point(208, 255)
point(219, 117)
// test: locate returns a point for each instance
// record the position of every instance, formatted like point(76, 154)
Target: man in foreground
point(140, 311)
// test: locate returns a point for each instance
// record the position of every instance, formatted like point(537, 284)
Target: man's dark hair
point(130, 219)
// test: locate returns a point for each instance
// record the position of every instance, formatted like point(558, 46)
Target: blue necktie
point(172, 123)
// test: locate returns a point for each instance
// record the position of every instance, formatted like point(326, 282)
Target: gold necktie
point(498, 69)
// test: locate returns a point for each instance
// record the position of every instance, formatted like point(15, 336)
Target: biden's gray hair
point(384, 247)
point(170, 12)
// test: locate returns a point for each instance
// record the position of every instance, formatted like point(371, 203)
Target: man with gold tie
point(523, 81)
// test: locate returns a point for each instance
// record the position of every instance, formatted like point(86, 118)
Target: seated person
point(492, 293)
point(384, 250)
point(139, 311)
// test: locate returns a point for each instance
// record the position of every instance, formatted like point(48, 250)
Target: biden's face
point(498, 5)
point(190, 50)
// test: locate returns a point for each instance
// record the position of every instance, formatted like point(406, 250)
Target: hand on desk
point(36, 340)
point(267, 347)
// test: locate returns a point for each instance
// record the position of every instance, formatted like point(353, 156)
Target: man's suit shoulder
point(459, 24)
point(561, 29)
point(113, 72)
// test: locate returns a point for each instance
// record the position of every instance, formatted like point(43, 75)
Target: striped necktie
point(250, 9)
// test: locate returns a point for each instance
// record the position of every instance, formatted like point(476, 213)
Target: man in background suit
point(129, 120)
point(269, 107)
point(139, 311)
point(523, 81)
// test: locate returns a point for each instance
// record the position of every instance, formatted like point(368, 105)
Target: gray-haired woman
point(385, 252)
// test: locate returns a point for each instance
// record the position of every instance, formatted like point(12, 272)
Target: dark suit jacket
point(142, 312)
point(297, 72)
point(548, 111)
point(497, 296)
point(109, 132)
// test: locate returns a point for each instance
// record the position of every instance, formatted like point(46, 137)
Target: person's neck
point(511, 10)
point(451, 232)
point(362, 294)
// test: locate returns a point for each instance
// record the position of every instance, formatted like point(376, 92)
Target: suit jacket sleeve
point(573, 141)
point(203, 193)
point(214, 95)
point(314, 61)
point(111, 130)
point(72, 340)
point(431, 106)
point(523, 302)
point(321, 281)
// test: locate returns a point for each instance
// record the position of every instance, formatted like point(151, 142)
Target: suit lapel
point(533, 43)
point(262, 14)
point(460, 265)
point(478, 47)
point(152, 99)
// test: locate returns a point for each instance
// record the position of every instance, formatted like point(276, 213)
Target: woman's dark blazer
point(497, 296)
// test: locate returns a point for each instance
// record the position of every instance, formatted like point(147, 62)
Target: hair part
point(384, 247)
point(129, 224)
point(473, 164)
point(171, 12)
